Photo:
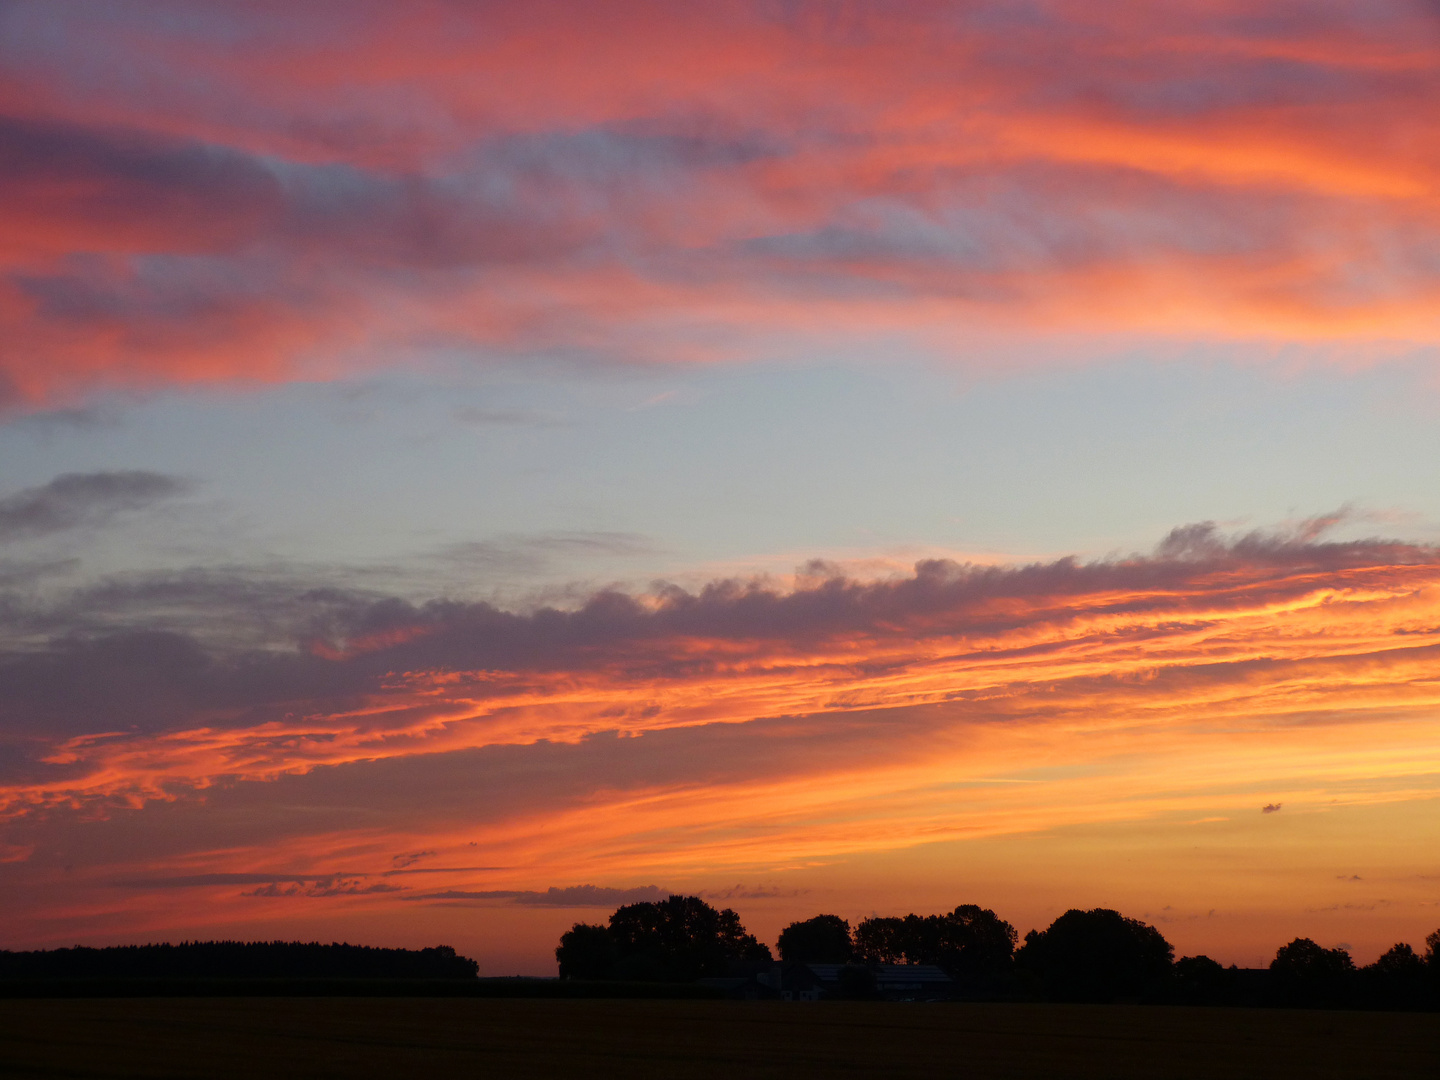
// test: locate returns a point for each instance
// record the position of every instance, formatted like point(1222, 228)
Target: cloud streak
point(574, 896)
point(358, 182)
point(739, 729)
point(78, 500)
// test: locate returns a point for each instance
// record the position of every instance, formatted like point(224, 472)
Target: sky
point(466, 466)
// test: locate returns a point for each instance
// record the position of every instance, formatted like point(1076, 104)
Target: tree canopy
point(970, 940)
point(824, 939)
point(678, 939)
point(1305, 973)
point(1097, 955)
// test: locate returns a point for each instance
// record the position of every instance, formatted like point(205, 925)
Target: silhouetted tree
point(1304, 973)
point(1397, 980)
point(825, 939)
point(975, 942)
point(970, 941)
point(586, 951)
point(882, 939)
point(1097, 955)
point(679, 939)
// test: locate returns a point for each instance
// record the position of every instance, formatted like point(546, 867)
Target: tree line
point(1098, 955)
point(238, 960)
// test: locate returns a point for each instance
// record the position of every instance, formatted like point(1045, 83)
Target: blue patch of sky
point(747, 465)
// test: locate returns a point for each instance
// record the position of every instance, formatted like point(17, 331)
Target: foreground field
point(358, 1038)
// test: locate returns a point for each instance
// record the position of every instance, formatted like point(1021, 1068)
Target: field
point(356, 1038)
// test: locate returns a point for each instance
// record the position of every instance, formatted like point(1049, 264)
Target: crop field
point(403, 1037)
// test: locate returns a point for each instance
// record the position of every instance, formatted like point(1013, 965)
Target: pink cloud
point(310, 190)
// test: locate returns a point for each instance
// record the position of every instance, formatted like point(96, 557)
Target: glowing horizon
point(757, 730)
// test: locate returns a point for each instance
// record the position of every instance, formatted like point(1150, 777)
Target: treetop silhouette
point(1097, 955)
point(679, 939)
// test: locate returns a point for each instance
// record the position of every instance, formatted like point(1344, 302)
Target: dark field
point(389, 1037)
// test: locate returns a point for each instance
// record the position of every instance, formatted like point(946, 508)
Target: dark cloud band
point(82, 499)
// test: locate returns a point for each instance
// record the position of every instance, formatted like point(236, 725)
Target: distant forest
point(1083, 956)
point(238, 960)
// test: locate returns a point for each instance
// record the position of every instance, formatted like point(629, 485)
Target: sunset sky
point(467, 465)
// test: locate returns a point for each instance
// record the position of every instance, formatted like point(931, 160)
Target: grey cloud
point(275, 881)
point(967, 234)
point(513, 198)
point(337, 887)
point(183, 193)
point(506, 417)
point(574, 896)
point(80, 499)
point(231, 608)
point(149, 193)
point(1271, 808)
point(616, 154)
point(1063, 59)
point(339, 884)
point(430, 224)
point(1203, 541)
point(195, 881)
point(534, 552)
point(25, 572)
point(54, 420)
point(141, 681)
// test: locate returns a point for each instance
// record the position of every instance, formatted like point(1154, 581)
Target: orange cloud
point(740, 731)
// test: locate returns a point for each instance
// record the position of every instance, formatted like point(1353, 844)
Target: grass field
point(403, 1037)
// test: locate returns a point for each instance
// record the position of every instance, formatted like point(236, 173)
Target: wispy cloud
point(534, 552)
point(324, 888)
point(573, 896)
point(78, 500)
point(199, 881)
